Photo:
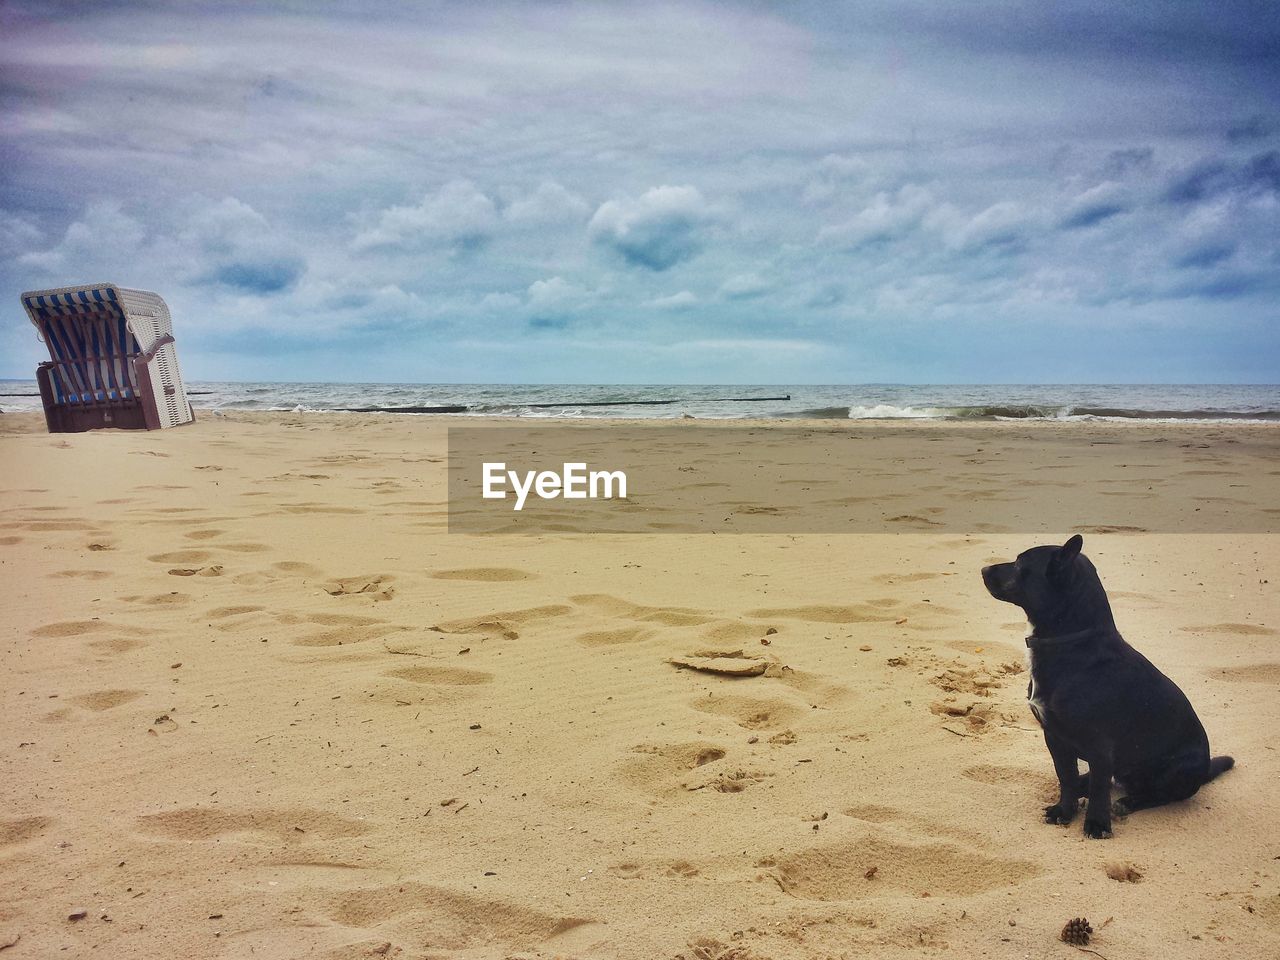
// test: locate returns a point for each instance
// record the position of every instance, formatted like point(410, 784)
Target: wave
point(816, 413)
point(886, 411)
point(1123, 413)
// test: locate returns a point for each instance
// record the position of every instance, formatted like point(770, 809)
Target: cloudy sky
point(722, 192)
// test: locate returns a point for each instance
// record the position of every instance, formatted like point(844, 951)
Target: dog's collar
point(1034, 642)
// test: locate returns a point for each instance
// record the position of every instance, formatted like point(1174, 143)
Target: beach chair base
point(137, 414)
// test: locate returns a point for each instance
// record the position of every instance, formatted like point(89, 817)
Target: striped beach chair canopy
point(89, 342)
point(96, 334)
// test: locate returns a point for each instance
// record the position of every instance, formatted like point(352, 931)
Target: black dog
point(1097, 698)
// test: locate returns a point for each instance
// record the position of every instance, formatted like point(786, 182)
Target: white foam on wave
point(887, 411)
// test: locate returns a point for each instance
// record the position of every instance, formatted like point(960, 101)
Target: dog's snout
point(994, 582)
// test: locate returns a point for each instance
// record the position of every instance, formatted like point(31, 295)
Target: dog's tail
point(1219, 765)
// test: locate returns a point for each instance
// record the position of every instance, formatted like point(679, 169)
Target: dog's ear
point(1065, 557)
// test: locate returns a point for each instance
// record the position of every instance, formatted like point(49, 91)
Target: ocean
point(1174, 402)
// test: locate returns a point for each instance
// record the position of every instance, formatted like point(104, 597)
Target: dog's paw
point(1058, 814)
point(1096, 830)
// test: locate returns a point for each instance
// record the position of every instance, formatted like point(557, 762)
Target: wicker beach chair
point(112, 359)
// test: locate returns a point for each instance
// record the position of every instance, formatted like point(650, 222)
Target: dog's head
point(1057, 587)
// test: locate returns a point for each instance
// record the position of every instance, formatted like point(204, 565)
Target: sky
point(732, 192)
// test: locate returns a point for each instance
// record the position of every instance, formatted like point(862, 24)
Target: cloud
point(887, 217)
point(684, 300)
point(1095, 205)
point(555, 294)
point(258, 276)
point(499, 301)
point(1202, 181)
point(1256, 127)
point(1205, 255)
point(104, 233)
point(744, 286)
point(1002, 225)
point(18, 234)
point(663, 227)
point(554, 303)
point(1214, 177)
point(834, 174)
point(1131, 160)
point(241, 248)
point(550, 203)
point(457, 215)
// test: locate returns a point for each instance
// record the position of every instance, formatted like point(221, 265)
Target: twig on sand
point(1087, 950)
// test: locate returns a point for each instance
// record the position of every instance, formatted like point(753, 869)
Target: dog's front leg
point(1067, 767)
point(1097, 819)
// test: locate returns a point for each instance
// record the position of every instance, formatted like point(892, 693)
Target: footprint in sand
point(220, 613)
point(736, 632)
point(830, 613)
point(725, 781)
point(208, 823)
point(171, 599)
point(483, 574)
point(625, 609)
point(1253, 673)
point(342, 629)
point(837, 871)
point(613, 638)
point(750, 712)
point(1014, 777)
point(106, 699)
point(928, 826)
point(83, 574)
point(70, 628)
point(203, 534)
point(298, 568)
point(502, 623)
point(448, 920)
point(51, 526)
point(451, 676)
point(117, 645)
point(890, 579)
point(673, 869)
point(1242, 629)
point(873, 813)
point(284, 568)
point(214, 570)
point(181, 556)
point(378, 586)
point(22, 829)
point(658, 768)
point(305, 508)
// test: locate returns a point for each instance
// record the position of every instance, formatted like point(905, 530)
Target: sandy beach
point(257, 702)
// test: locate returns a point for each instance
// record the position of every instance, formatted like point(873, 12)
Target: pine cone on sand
point(1076, 932)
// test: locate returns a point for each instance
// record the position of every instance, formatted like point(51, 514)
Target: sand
point(258, 703)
